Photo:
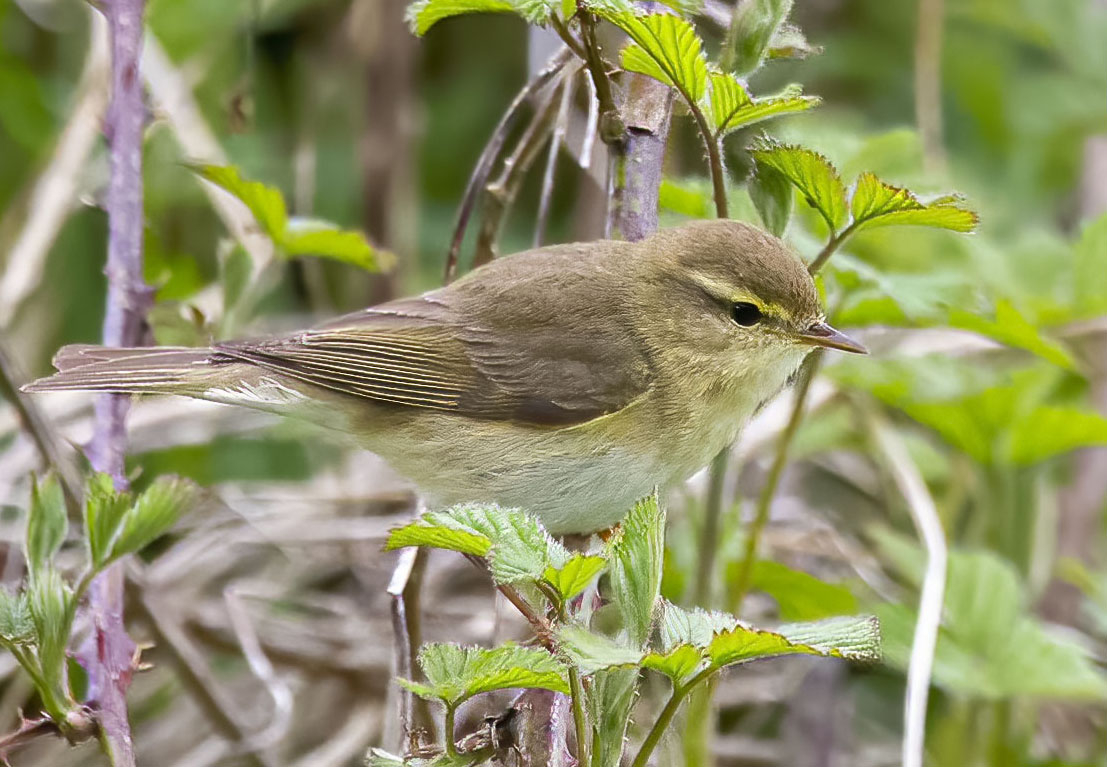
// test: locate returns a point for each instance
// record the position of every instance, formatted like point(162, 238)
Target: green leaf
point(153, 513)
point(688, 197)
point(104, 512)
point(679, 664)
point(296, 236)
point(790, 43)
point(425, 14)
point(771, 192)
point(313, 237)
point(752, 31)
point(636, 554)
point(455, 673)
point(17, 625)
point(610, 698)
point(856, 638)
point(1012, 329)
point(1048, 431)
point(990, 645)
point(47, 524)
point(801, 596)
point(666, 48)
point(51, 606)
point(591, 652)
point(809, 172)
point(876, 203)
point(732, 108)
point(575, 575)
point(696, 627)
point(515, 543)
point(264, 202)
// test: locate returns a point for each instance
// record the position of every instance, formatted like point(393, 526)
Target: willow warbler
point(567, 380)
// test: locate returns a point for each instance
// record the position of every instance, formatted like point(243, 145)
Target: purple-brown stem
point(108, 653)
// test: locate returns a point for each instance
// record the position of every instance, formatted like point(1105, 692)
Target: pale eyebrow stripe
point(722, 290)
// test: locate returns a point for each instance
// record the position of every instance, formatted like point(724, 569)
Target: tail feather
point(178, 370)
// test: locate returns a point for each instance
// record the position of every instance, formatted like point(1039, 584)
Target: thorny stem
point(665, 718)
point(612, 129)
point(714, 158)
point(764, 501)
point(451, 747)
point(576, 690)
point(832, 245)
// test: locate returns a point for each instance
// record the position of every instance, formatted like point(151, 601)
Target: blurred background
point(267, 611)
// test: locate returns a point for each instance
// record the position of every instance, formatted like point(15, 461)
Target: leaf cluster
point(601, 671)
point(36, 621)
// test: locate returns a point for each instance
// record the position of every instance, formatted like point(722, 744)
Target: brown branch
point(108, 652)
point(491, 151)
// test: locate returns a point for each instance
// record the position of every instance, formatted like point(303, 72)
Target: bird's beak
point(821, 334)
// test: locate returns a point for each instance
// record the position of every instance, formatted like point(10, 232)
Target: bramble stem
point(576, 690)
point(665, 718)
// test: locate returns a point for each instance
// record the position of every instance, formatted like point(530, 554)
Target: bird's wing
point(440, 351)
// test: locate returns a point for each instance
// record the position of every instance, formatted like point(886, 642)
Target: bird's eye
point(745, 314)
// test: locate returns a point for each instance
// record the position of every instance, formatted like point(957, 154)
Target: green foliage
point(575, 575)
point(730, 106)
point(990, 644)
point(872, 202)
point(455, 674)
point(755, 31)
point(517, 546)
point(636, 553)
point(666, 48)
point(294, 236)
point(811, 173)
point(1011, 328)
point(801, 596)
point(46, 524)
point(424, 14)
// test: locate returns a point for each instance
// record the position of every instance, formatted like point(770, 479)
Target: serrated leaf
point(104, 512)
point(753, 27)
point(51, 605)
point(455, 673)
point(17, 625)
point(591, 652)
point(636, 554)
point(731, 107)
point(853, 638)
point(515, 543)
point(696, 627)
point(876, 203)
point(801, 596)
point(1012, 329)
point(610, 698)
point(772, 195)
point(153, 513)
point(679, 664)
point(264, 202)
point(425, 14)
point(575, 575)
point(811, 173)
point(666, 48)
point(313, 237)
point(47, 524)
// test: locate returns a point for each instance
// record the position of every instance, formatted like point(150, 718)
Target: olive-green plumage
point(567, 380)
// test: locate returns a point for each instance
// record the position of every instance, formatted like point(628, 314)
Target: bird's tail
point(159, 369)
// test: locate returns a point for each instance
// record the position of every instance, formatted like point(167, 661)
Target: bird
point(568, 381)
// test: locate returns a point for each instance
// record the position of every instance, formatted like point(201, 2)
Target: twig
point(835, 242)
point(499, 195)
point(57, 186)
point(556, 139)
point(709, 535)
point(108, 653)
point(41, 434)
point(220, 709)
point(263, 669)
point(491, 151)
point(636, 164)
point(612, 128)
point(653, 737)
point(401, 643)
point(765, 499)
point(929, 526)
